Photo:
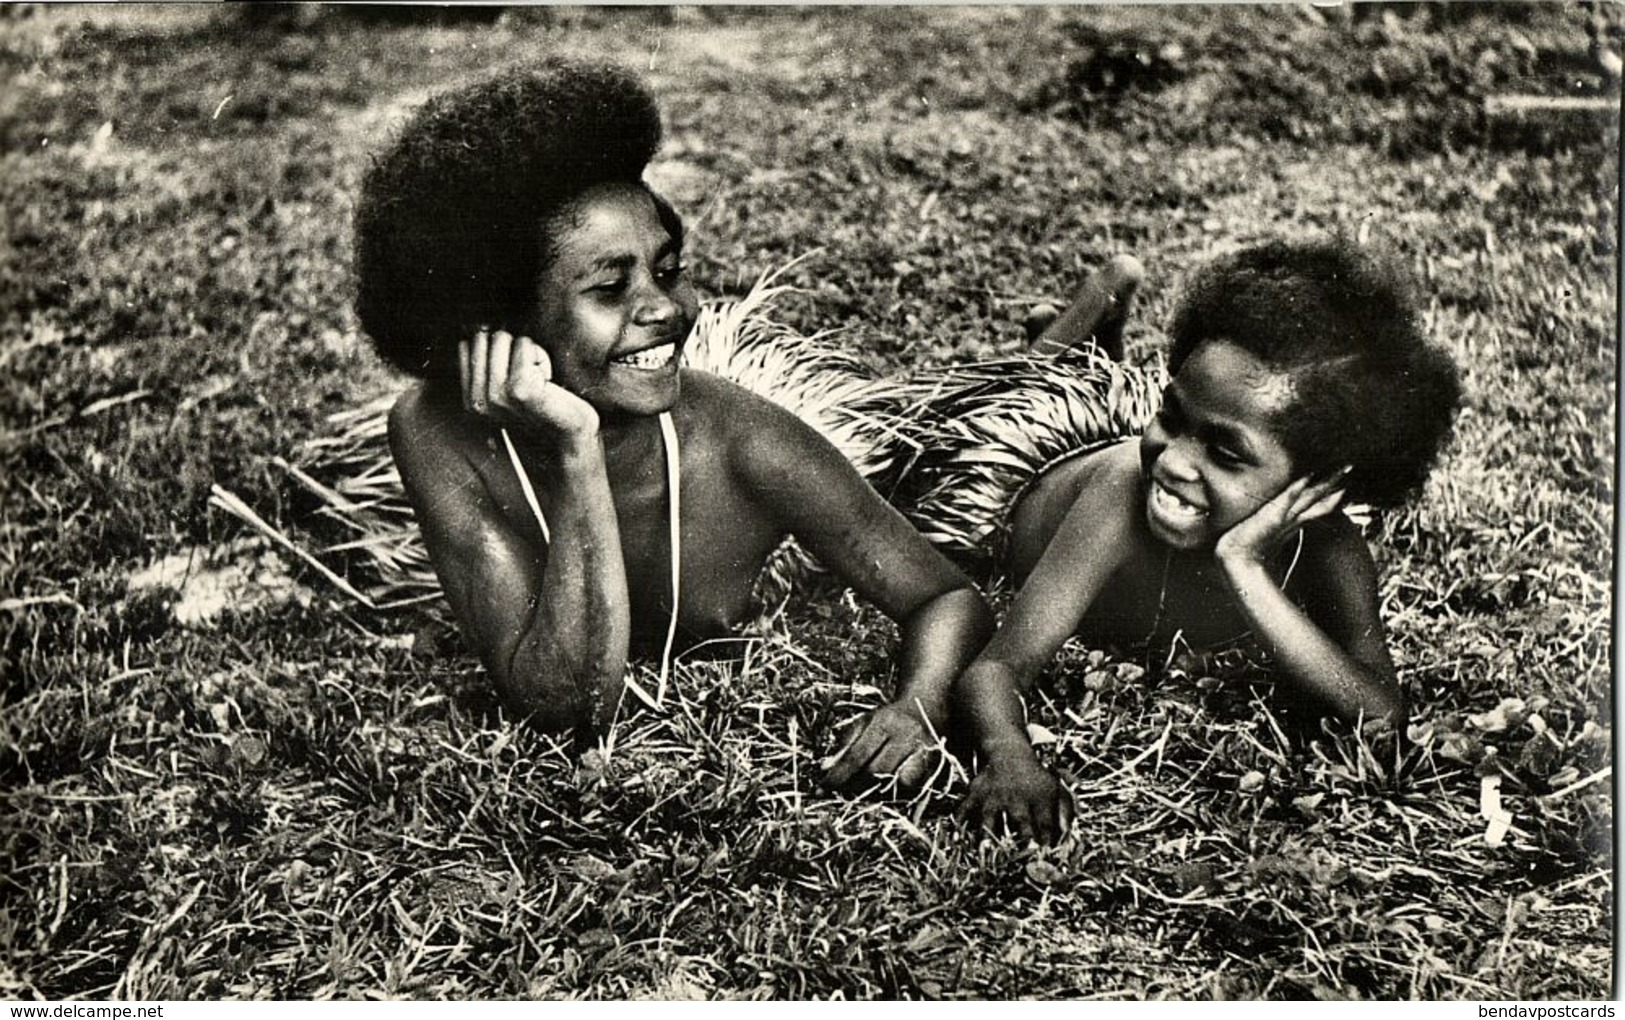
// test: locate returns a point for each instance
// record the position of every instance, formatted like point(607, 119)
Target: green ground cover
point(287, 796)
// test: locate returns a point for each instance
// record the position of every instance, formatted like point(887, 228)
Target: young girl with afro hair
point(584, 497)
point(1299, 377)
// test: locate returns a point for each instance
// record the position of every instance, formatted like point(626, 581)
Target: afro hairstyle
point(450, 228)
point(1369, 390)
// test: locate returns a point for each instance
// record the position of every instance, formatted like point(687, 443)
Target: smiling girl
point(1299, 376)
point(586, 500)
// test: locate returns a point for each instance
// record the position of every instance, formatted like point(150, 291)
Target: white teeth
point(1170, 504)
point(654, 357)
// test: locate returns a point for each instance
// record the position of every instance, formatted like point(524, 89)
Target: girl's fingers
point(973, 811)
point(529, 367)
point(855, 756)
point(1334, 479)
point(1287, 498)
point(544, 362)
point(1019, 822)
point(1060, 821)
point(479, 353)
point(1324, 505)
point(969, 808)
point(463, 356)
point(915, 769)
point(1304, 500)
point(1043, 824)
point(900, 758)
point(1313, 500)
point(1305, 489)
point(496, 367)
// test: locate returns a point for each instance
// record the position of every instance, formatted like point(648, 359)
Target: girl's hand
point(1255, 539)
point(893, 741)
point(1031, 801)
point(508, 380)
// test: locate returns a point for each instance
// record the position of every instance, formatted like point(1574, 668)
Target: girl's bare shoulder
point(1105, 483)
point(1116, 467)
point(721, 401)
point(731, 419)
point(424, 414)
point(1113, 472)
point(436, 444)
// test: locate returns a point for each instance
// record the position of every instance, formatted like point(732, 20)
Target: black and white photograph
point(1089, 502)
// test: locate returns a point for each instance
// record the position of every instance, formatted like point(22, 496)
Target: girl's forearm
point(577, 633)
point(938, 641)
point(1305, 653)
point(988, 697)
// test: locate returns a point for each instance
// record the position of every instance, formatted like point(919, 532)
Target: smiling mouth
point(650, 358)
point(1171, 506)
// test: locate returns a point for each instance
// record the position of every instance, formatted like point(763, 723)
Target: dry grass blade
point(237, 508)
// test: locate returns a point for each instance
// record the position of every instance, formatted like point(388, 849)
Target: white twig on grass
point(61, 897)
point(219, 497)
point(1132, 763)
point(53, 599)
point(92, 408)
point(1598, 777)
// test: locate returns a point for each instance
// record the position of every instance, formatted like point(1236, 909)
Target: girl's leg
point(1097, 312)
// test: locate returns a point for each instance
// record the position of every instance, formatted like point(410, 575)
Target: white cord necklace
point(674, 502)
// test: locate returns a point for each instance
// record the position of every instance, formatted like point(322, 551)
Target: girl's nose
point(655, 307)
point(1178, 460)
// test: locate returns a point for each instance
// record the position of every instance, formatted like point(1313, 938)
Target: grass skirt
point(980, 433)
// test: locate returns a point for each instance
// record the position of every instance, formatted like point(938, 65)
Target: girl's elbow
point(1383, 707)
point(550, 703)
point(1392, 708)
point(978, 614)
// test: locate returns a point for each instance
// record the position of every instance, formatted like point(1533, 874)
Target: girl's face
point(1211, 456)
point(614, 306)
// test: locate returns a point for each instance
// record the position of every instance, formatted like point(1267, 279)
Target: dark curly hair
point(451, 229)
point(1368, 388)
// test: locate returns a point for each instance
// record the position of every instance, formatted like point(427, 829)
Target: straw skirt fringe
point(982, 433)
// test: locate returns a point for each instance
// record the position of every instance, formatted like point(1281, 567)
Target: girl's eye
point(1224, 456)
point(670, 273)
point(614, 286)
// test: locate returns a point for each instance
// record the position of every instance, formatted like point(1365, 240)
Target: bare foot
point(1098, 310)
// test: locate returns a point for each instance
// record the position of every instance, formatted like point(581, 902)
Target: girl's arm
point(808, 488)
point(1333, 647)
point(550, 620)
point(1094, 540)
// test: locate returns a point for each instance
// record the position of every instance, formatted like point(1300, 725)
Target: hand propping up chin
point(1256, 538)
point(508, 381)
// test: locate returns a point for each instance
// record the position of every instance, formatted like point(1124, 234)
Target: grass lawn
point(221, 778)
